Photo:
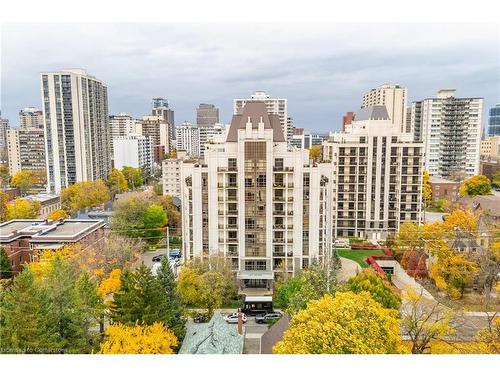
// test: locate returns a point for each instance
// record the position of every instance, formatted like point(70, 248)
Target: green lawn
point(359, 256)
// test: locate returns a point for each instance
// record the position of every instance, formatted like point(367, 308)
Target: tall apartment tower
point(393, 97)
point(256, 202)
point(490, 147)
point(76, 123)
point(31, 117)
point(494, 121)
point(157, 129)
point(4, 126)
point(26, 149)
point(207, 115)
point(377, 176)
point(450, 129)
point(274, 106)
point(188, 139)
point(160, 107)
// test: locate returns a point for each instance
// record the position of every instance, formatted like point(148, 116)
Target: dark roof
point(274, 334)
point(374, 112)
point(255, 111)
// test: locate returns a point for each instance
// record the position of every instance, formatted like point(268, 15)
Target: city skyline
point(331, 69)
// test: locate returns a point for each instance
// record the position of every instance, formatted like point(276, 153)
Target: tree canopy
point(380, 290)
point(138, 339)
point(22, 209)
point(117, 183)
point(27, 179)
point(475, 185)
point(84, 195)
point(348, 323)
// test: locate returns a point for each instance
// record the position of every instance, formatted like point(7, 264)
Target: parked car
point(201, 318)
point(233, 318)
point(175, 253)
point(264, 318)
point(157, 258)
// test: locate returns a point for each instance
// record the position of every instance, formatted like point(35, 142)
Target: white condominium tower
point(274, 106)
point(377, 180)
point(188, 139)
point(393, 97)
point(252, 200)
point(133, 150)
point(75, 110)
point(450, 129)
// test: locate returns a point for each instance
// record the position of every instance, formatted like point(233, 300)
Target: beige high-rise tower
point(393, 97)
point(76, 123)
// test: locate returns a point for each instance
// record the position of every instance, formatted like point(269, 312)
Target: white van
point(342, 243)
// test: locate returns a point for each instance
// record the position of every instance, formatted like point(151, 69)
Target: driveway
point(349, 269)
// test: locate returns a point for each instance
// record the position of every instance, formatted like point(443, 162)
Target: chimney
point(240, 323)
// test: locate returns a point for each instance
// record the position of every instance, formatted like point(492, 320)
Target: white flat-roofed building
point(121, 125)
point(171, 174)
point(188, 139)
point(450, 129)
point(133, 150)
point(377, 172)
point(254, 201)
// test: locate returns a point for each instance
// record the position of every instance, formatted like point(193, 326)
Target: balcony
point(278, 240)
point(279, 199)
point(279, 212)
point(232, 212)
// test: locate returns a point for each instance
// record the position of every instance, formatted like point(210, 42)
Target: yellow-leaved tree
point(22, 209)
point(138, 339)
point(475, 185)
point(111, 284)
point(27, 179)
point(58, 214)
point(315, 152)
point(427, 189)
point(348, 323)
point(117, 183)
point(84, 194)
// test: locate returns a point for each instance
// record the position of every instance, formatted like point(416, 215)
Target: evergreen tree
point(91, 309)
point(5, 268)
point(166, 279)
point(65, 314)
point(140, 299)
point(24, 317)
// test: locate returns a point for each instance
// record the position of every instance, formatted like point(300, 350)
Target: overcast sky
point(323, 70)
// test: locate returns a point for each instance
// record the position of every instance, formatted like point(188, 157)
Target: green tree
point(348, 323)
point(154, 219)
point(5, 266)
point(117, 183)
point(495, 180)
point(476, 185)
point(133, 176)
point(68, 306)
point(91, 308)
point(25, 315)
point(380, 289)
point(141, 299)
point(166, 278)
point(285, 291)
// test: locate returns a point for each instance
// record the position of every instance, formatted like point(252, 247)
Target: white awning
point(255, 275)
point(259, 299)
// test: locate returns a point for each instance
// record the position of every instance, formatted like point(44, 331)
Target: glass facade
point(494, 121)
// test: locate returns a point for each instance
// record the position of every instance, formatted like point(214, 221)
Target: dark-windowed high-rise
point(76, 123)
point(207, 115)
point(494, 121)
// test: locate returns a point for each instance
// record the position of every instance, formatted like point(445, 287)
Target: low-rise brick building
point(444, 189)
point(22, 239)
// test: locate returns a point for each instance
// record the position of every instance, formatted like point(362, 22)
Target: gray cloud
point(322, 69)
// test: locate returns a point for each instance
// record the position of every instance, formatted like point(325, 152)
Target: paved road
point(147, 256)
